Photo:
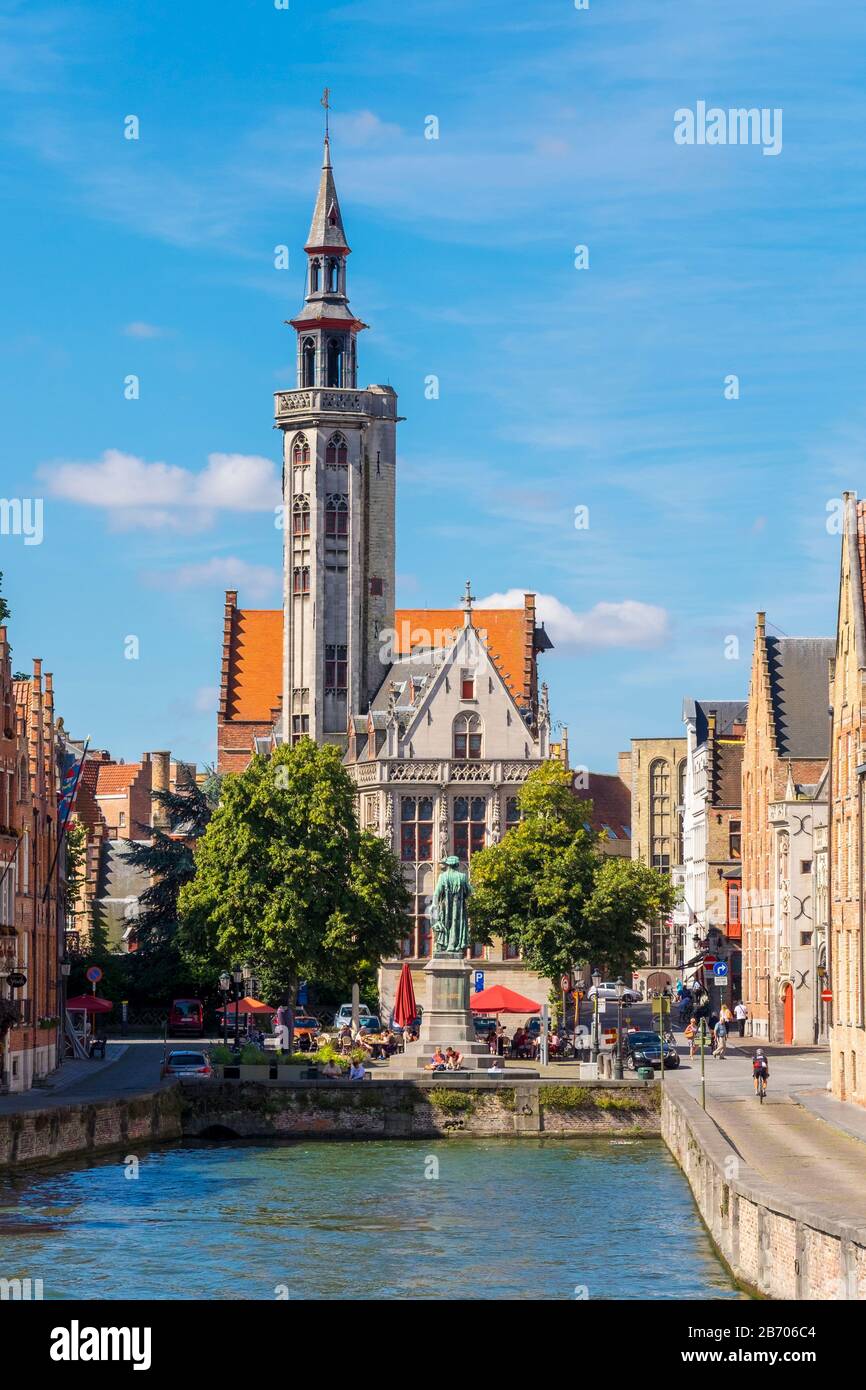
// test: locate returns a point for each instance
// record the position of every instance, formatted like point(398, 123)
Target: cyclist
point(760, 1070)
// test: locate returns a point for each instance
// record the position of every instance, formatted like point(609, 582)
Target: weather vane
point(326, 102)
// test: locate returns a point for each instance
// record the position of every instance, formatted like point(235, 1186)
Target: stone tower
point(339, 457)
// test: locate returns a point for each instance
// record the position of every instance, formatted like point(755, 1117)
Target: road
point(131, 1065)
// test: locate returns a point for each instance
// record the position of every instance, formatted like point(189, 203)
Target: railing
point(387, 771)
point(320, 400)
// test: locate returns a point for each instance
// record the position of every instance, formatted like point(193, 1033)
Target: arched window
point(308, 362)
point(301, 579)
point(300, 451)
point(470, 825)
point(337, 450)
point(416, 829)
point(467, 736)
point(334, 365)
point(333, 274)
point(660, 814)
point(315, 275)
point(337, 515)
point(301, 516)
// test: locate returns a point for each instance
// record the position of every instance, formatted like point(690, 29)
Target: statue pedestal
point(446, 1022)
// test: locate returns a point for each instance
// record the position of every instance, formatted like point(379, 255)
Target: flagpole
point(61, 830)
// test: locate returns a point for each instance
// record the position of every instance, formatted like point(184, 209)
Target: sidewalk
point(129, 1067)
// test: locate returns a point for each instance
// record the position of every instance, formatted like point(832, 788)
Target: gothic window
point(337, 451)
point(301, 517)
point(416, 829)
point(333, 274)
point(470, 826)
point(467, 736)
point(334, 362)
point(300, 727)
point(660, 816)
point(300, 451)
point(336, 669)
point(301, 579)
point(337, 515)
point(308, 362)
point(315, 270)
point(512, 812)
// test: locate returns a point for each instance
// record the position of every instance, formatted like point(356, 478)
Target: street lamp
point(225, 985)
point(596, 980)
point(237, 976)
point(617, 1066)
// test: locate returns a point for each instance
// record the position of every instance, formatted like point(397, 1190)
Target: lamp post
point(237, 976)
point(596, 980)
point(225, 986)
point(617, 1066)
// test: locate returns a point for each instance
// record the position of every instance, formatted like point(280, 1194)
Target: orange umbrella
point(405, 1008)
point(248, 1005)
point(499, 1000)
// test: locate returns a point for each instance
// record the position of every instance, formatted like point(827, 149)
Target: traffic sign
point(479, 981)
point(720, 970)
point(565, 983)
point(710, 960)
point(94, 974)
point(826, 995)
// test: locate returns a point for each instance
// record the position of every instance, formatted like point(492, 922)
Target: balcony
point(292, 407)
point(483, 771)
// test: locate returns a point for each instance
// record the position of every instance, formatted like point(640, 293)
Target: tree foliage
point(285, 879)
point(548, 889)
point(5, 613)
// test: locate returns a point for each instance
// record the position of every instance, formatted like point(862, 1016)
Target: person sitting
point(439, 1061)
point(332, 1070)
point(453, 1059)
point(517, 1041)
point(357, 1071)
point(344, 1039)
point(389, 1043)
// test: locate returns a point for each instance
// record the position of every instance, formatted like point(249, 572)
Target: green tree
point(5, 613)
point(548, 889)
point(285, 879)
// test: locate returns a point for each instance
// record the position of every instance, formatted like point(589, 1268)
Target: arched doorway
point(788, 1004)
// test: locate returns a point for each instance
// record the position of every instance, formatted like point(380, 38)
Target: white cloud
point(255, 582)
point(625, 624)
point(139, 329)
point(141, 495)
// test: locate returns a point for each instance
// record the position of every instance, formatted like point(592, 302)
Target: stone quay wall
point(426, 1108)
point(776, 1247)
point(79, 1130)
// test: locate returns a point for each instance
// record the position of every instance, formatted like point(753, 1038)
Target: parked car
point(187, 1064)
point(344, 1015)
point(644, 1050)
point(608, 991)
point(186, 1018)
point(306, 1031)
point(369, 1023)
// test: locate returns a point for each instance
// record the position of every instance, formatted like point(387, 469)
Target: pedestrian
point(689, 1034)
point(741, 1014)
point(720, 1034)
point(725, 1013)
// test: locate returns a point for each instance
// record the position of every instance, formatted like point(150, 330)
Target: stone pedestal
point(447, 1021)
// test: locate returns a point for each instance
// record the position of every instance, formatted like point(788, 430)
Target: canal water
point(459, 1219)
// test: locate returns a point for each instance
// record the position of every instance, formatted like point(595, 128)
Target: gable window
point(470, 825)
point(336, 668)
point(416, 829)
point(467, 685)
point(467, 736)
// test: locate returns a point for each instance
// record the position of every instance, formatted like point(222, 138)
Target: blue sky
point(559, 388)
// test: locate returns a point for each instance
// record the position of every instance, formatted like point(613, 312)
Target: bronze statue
point(450, 916)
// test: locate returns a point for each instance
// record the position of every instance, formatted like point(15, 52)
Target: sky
point(586, 443)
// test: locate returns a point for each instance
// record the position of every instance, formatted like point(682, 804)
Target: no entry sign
point(826, 995)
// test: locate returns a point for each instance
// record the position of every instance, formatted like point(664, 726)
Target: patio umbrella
point(405, 1008)
point(248, 1005)
point(90, 1003)
point(499, 1000)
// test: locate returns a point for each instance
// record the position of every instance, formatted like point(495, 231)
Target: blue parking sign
point(479, 981)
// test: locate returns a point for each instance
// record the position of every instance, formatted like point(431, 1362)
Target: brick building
point(784, 756)
point(655, 769)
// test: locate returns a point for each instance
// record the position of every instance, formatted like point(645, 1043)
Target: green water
point(464, 1219)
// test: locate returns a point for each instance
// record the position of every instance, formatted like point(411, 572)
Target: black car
point(644, 1050)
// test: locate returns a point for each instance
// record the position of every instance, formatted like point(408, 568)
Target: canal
point(440, 1219)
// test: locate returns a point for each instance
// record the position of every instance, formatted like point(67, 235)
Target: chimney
point(161, 765)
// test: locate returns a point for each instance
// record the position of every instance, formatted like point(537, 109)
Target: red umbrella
point(499, 1000)
point(248, 1005)
point(90, 1003)
point(405, 1008)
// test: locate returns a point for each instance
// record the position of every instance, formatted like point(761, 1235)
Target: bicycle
point(760, 1086)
